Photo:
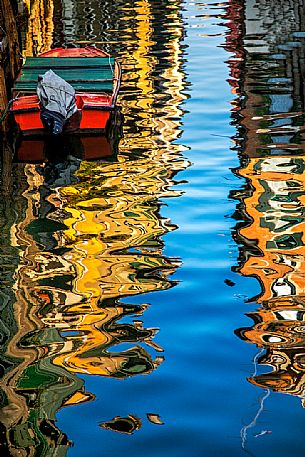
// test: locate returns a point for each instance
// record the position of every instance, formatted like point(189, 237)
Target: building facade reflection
point(89, 236)
point(37, 30)
point(271, 113)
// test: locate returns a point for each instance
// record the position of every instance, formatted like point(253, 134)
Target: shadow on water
point(82, 232)
point(267, 74)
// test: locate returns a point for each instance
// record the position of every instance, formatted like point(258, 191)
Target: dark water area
point(153, 299)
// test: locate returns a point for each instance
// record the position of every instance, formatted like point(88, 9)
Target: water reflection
point(84, 246)
point(86, 236)
point(126, 425)
point(31, 392)
point(37, 32)
point(271, 114)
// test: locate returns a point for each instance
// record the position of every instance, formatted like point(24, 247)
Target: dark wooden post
point(3, 90)
point(9, 66)
point(3, 85)
point(11, 41)
point(9, 52)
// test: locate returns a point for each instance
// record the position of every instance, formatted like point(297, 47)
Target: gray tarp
point(56, 95)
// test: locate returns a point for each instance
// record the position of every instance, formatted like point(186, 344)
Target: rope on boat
point(5, 112)
point(110, 64)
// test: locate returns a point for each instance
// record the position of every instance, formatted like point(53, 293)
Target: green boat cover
point(85, 74)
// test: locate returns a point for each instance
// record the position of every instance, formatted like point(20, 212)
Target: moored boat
point(93, 74)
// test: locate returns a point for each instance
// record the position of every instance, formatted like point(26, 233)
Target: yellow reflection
point(100, 232)
point(158, 126)
point(39, 33)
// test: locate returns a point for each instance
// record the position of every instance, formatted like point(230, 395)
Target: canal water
point(152, 282)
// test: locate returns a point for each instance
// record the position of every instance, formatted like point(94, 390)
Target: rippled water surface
point(131, 284)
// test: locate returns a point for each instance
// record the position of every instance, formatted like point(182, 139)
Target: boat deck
point(93, 74)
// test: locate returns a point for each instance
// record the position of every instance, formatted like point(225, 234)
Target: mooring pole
point(9, 53)
point(10, 37)
point(3, 90)
point(9, 67)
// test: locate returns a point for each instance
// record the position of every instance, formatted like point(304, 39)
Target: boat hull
point(92, 116)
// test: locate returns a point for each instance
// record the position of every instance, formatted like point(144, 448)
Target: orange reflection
point(272, 204)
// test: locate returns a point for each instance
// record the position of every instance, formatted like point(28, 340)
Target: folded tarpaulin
point(56, 95)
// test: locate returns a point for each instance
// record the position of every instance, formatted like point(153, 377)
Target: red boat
point(94, 76)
